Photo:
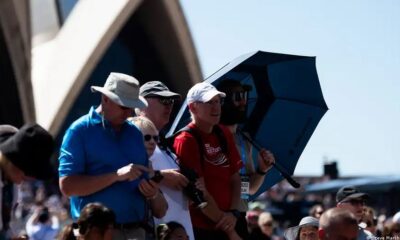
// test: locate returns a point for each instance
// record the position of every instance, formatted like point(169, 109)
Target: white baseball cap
point(202, 92)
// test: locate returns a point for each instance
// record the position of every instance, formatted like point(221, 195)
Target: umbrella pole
point(278, 167)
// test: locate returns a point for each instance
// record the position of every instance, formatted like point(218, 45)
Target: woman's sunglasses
point(148, 137)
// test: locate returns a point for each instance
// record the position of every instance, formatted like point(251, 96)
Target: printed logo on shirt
point(215, 156)
point(212, 150)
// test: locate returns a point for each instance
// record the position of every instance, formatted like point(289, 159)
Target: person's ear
point(192, 107)
point(321, 233)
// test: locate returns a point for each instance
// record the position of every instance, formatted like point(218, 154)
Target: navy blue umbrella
point(285, 106)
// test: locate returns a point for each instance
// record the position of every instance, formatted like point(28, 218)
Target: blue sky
point(357, 45)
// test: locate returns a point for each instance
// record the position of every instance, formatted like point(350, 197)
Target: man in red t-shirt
point(218, 168)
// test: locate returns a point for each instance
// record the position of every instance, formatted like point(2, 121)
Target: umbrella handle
point(278, 167)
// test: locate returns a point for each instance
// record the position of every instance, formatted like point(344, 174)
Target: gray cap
point(157, 89)
point(349, 192)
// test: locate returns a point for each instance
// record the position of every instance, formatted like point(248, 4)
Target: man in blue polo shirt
point(103, 159)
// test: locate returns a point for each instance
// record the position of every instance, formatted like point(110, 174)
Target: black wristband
point(258, 170)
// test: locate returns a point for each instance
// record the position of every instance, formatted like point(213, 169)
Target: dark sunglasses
point(369, 224)
point(240, 96)
point(148, 137)
point(166, 101)
point(124, 108)
point(267, 224)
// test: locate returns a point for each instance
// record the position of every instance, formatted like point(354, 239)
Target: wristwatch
point(235, 213)
point(157, 176)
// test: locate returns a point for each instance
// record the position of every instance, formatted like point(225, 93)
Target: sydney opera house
point(52, 51)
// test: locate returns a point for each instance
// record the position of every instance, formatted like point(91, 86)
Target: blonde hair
point(264, 218)
point(143, 123)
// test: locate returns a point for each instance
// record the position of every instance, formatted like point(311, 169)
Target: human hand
point(174, 179)
point(149, 188)
point(201, 186)
point(265, 160)
point(130, 172)
point(227, 222)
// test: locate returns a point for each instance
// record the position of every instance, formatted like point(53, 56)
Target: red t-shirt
point(217, 167)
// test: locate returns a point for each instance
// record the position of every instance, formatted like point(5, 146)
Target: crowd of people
point(122, 179)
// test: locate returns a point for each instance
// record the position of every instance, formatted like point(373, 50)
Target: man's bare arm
point(83, 185)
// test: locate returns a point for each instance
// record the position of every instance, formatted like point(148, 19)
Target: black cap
point(156, 89)
point(349, 192)
point(29, 149)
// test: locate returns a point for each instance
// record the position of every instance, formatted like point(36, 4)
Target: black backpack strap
point(199, 141)
point(217, 130)
point(221, 138)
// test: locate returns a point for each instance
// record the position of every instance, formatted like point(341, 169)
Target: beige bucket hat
point(123, 90)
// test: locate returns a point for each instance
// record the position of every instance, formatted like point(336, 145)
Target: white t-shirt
point(178, 206)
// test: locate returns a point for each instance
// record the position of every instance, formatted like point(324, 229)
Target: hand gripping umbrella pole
point(278, 167)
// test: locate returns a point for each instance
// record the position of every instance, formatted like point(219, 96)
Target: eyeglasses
point(124, 108)
point(355, 202)
point(148, 137)
point(309, 233)
point(370, 224)
point(240, 96)
point(267, 224)
point(166, 101)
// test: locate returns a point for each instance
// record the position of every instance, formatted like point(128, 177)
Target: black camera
point(191, 191)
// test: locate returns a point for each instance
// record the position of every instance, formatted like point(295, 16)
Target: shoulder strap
point(221, 138)
point(217, 130)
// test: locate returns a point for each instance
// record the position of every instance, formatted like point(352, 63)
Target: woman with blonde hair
point(149, 131)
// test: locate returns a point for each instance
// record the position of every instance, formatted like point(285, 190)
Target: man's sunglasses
point(148, 137)
point(240, 96)
point(355, 202)
point(124, 108)
point(267, 224)
point(166, 101)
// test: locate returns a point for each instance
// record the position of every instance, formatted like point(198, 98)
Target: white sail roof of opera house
point(62, 65)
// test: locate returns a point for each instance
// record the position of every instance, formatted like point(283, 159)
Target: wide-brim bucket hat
point(123, 90)
point(291, 233)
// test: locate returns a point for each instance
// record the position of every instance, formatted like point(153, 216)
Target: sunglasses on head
point(239, 96)
point(148, 137)
point(166, 101)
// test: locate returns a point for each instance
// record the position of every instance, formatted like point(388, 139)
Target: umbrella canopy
point(284, 108)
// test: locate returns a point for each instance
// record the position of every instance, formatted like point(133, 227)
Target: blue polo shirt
point(92, 147)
